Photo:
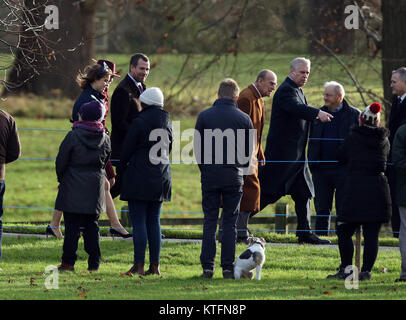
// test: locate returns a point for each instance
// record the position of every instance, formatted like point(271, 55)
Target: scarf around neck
point(94, 126)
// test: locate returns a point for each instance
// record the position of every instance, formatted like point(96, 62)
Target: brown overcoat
point(252, 104)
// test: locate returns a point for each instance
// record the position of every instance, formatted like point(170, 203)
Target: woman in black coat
point(147, 177)
point(366, 201)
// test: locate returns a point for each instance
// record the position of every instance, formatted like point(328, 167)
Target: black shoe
point(49, 231)
point(341, 274)
point(228, 274)
point(114, 232)
point(400, 280)
point(65, 267)
point(311, 238)
point(364, 275)
point(207, 274)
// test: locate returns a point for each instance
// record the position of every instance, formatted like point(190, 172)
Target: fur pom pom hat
point(371, 115)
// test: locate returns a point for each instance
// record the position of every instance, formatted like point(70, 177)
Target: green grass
point(290, 272)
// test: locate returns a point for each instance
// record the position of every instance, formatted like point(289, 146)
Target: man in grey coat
point(286, 170)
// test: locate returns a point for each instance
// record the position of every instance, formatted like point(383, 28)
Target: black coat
point(123, 109)
point(396, 119)
point(145, 177)
point(366, 191)
point(286, 142)
point(349, 118)
point(79, 167)
point(225, 116)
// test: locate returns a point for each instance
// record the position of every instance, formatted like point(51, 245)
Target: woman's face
point(101, 84)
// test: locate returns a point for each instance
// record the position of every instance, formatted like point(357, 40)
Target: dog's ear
point(263, 240)
point(250, 240)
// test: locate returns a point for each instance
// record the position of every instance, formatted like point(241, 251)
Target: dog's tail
point(257, 257)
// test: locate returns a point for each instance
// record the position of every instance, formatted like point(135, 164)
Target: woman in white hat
point(147, 177)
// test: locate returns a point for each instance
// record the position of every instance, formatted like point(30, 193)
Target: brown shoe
point(136, 268)
point(153, 269)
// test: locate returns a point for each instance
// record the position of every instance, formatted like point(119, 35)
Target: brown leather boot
point(137, 268)
point(153, 269)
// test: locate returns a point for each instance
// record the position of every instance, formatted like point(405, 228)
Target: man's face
point(141, 71)
point(267, 85)
point(300, 75)
point(331, 98)
point(398, 85)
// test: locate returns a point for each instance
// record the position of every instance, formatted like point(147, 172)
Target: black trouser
point(116, 188)
point(301, 196)
point(345, 231)
point(395, 218)
point(327, 181)
point(87, 223)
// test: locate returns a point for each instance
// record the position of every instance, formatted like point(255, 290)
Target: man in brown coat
point(251, 102)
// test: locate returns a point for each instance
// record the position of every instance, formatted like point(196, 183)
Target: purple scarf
point(89, 126)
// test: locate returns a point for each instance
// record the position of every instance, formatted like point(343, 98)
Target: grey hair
point(401, 72)
point(298, 62)
point(338, 87)
point(263, 73)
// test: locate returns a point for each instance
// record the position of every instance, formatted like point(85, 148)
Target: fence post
point(358, 243)
point(281, 219)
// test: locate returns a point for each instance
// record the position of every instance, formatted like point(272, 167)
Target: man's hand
point(324, 116)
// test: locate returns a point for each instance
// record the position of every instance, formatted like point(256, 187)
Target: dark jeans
point(87, 223)
point(145, 217)
point(345, 231)
point(2, 190)
point(211, 198)
point(327, 181)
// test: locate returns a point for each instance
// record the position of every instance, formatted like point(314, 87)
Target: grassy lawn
point(290, 272)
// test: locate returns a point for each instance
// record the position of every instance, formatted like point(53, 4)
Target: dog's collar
point(260, 243)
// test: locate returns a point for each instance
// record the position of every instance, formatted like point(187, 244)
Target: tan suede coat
point(251, 103)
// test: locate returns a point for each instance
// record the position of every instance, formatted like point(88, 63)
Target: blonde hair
point(229, 89)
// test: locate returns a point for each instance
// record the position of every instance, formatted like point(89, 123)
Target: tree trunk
point(64, 51)
point(393, 44)
point(326, 22)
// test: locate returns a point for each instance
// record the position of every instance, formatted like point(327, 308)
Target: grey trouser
point(402, 240)
point(242, 224)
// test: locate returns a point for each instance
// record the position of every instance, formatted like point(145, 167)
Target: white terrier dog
point(250, 259)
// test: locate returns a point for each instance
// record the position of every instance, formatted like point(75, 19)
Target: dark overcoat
point(286, 144)
point(366, 195)
point(147, 173)
point(252, 104)
point(79, 167)
point(399, 163)
point(349, 119)
point(124, 108)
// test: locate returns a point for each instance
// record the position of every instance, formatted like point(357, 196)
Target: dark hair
point(92, 73)
point(134, 59)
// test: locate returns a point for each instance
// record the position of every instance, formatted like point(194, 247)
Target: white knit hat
point(371, 113)
point(152, 97)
